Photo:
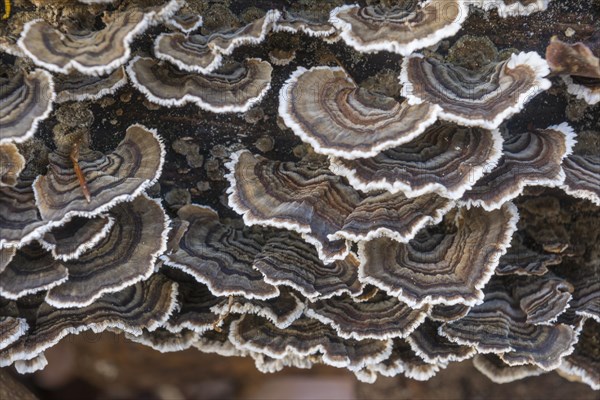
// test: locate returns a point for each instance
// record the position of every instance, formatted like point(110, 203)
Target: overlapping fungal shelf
point(390, 244)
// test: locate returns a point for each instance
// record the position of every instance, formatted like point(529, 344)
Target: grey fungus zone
point(482, 97)
point(25, 100)
point(529, 158)
point(286, 195)
point(446, 159)
point(125, 256)
point(377, 234)
point(204, 54)
point(325, 108)
point(234, 88)
point(582, 177)
point(502, 329)
point(218, 255)
point(399, 29)
point(77, 87)
point(143, 306)
point(441, 268)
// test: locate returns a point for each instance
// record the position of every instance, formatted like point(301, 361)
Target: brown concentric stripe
point(253, 32)
point(401, 24)
point(70, 238)
point(6, 256)
point(135, 164)
point(304, 337)
point(393, 215)
point(446, 159)
point(77, 86)
point(11, 329)
point(586, 281)
point(314, 24)
point(543, 299)
point(91, 50)
point(435, 349)
point(31, 270)
point(192, 50)
point(445, 313)
point(281, 310)
point(530, 158)
point(145, 305)
point(165, 341)
point(469, 94)
point(582, 176)
point(585, 360)
point(521, 260)
point(220, 255)
point(25, 99)
point(403, 360)
point(381, 317)
point(499, 372)
point(300, 197)
point(122, 258)
point(195, 301)
point(325, 108)
point(288, 260)
point(19, 217)
point(441, 268)
point(498, 325)
point(233, 88)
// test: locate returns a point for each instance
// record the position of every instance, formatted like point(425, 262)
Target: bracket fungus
point(511, 8)
point(71, 240)
point(529, 158)
point(219, 255)
point(378, 236)
point(313, 25)
point(90, 52)
point(235, 87)
point(584, 362)
point(446, 159)
point(142, 306)
point(203, 54)
point(312, 201)
point(25, 100)
point(120, 176)
point(325, 108)
point(185, 21)
point(582, 177)
point(79, 87)
point(502, 329)
point(287, 260)
point(401, 29)
point(521, 260)
point(402, 360)
point(482, 97)
point(435, 349)
point(122, 258)
point(381, 317)
point(305, 337)
point(31, 270)
point(498, 371)
point(441, 268)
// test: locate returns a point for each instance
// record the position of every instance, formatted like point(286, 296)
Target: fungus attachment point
point(74, 156)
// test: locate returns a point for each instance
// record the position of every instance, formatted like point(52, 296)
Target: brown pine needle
point(75, 159)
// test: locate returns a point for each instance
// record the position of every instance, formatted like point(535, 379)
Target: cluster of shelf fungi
point(392, 247)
